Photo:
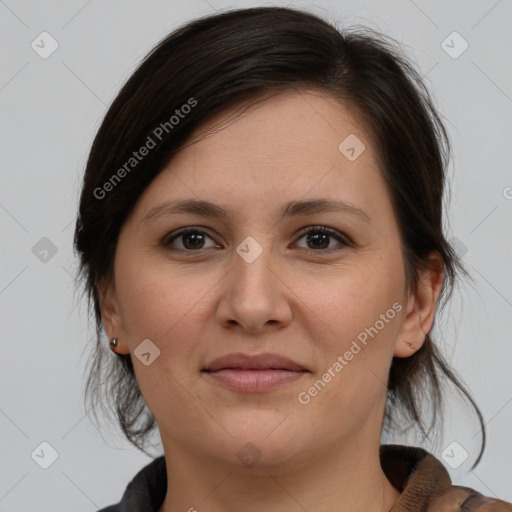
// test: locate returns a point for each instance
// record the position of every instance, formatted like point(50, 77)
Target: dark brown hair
point(248, 55)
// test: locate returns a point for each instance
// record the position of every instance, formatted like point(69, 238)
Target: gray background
point(51, 109)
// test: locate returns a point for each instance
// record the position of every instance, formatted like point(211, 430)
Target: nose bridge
point(252, 261)
point(253, 295)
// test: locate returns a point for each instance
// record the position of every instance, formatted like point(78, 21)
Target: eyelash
point(167, 241)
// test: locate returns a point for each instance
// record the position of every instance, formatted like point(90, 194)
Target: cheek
point(160, 303)
point(157, 299)
point(352, 303)
point(356, 354)
point(358, 314)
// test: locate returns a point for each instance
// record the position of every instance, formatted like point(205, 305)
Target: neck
point(349, 478)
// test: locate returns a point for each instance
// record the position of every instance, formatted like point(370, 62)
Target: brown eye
point(191, 240)
point(319, 238)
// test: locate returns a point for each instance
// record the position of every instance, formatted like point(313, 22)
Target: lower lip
point(254, 380)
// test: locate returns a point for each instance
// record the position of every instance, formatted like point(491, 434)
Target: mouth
point(246, 373)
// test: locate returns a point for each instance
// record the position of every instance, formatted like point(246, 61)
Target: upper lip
point(242, 361)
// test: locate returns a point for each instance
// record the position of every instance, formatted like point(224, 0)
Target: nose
point(255, 297)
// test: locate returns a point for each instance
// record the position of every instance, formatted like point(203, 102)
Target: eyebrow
point(204, 208)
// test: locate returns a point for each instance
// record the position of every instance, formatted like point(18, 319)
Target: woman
point(260, 233)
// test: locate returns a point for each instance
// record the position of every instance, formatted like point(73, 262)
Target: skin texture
point(291, 300)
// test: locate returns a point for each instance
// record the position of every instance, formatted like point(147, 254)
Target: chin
point(263, 445)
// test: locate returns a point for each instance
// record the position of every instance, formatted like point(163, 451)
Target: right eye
point(192, 240)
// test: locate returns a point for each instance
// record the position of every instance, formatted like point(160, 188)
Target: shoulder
point(146, 491)
point(464, 499)
point(425, 484)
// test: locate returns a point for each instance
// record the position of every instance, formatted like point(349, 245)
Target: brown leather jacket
point(426, 485)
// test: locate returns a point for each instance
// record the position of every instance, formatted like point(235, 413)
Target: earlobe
point(111, 319)
point(406, 348)
point(421, 308)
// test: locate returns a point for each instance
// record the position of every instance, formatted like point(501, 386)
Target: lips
point(241, 361)
point(245, 373)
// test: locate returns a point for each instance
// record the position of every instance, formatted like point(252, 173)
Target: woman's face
point(253, 282)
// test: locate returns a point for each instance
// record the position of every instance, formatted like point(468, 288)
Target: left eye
point(319, 236)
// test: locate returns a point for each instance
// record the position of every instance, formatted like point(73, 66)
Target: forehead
point(283, 122)
point(287, 147)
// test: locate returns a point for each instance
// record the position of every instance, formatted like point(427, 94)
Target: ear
point(421, 307)
point(110, 315)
